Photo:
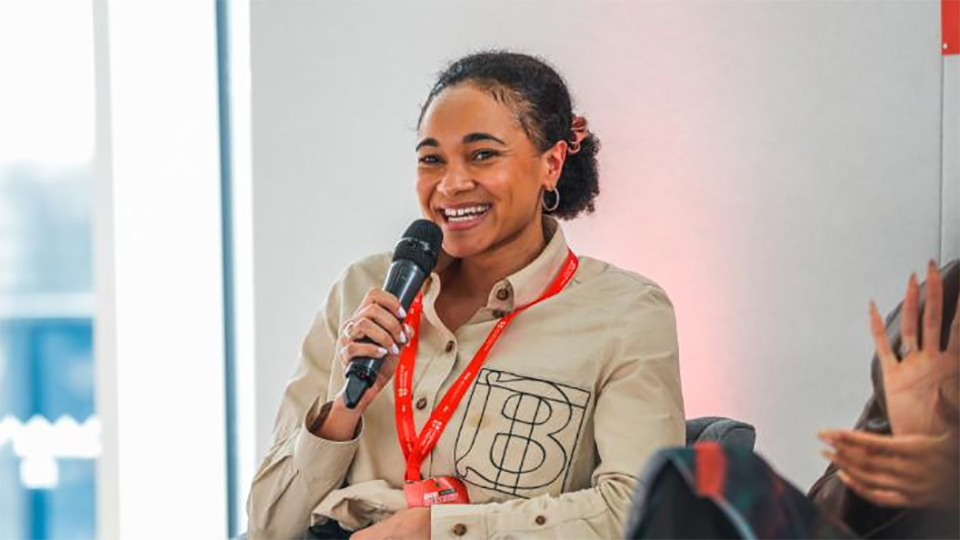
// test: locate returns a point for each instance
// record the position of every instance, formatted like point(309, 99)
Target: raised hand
point(920, 388)
point(917, 465)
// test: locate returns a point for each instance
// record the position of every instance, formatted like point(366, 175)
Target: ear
point(553, 160)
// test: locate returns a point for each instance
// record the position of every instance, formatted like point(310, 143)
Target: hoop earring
point(556, 201)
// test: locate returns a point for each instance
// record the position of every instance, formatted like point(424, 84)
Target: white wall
point(158, 254)
point(773, 164)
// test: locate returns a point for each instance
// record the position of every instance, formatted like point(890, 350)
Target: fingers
point(908, 319)
point(358, 349)
point(378, 319)
point(868, 473)
point(934, 311)
point(884, 352)
point(877, 444)
point(885, 470)
point(860, 445)
point(372, 328)
point(387, 300)
point(387, 321)
point(879, 497)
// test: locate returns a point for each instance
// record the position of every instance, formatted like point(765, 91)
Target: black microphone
point(413, 260)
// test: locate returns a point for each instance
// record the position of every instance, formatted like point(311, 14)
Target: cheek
point(425, 188)
point(520, 191)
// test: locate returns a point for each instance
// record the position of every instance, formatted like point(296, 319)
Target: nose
point(456, 180)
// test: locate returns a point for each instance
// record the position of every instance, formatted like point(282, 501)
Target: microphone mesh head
point(420, 244)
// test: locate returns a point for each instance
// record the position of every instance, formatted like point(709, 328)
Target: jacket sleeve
point(300, 469)
point(639, 409)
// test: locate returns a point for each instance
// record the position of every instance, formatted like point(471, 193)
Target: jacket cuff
point(457, 522)
point(316, 457)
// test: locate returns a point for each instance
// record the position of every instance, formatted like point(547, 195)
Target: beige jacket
point(580, 390)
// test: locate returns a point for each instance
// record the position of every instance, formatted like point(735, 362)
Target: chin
point(464, 246)
point(462, 250)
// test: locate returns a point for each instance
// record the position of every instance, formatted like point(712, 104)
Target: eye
point(429, 159)
point(483, 155)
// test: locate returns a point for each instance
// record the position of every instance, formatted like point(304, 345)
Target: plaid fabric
point(714, 491)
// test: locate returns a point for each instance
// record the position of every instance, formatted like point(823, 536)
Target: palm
point(913, 389)
point(914, 385)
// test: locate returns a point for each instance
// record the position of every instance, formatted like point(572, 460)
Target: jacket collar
point(525, 285)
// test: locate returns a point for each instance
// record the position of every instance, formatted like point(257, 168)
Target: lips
point(464, 216)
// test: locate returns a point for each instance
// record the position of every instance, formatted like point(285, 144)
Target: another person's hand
point(407, 524)
point(379, 318)
point(907, 471)
point(917, 466)
point(918, 385)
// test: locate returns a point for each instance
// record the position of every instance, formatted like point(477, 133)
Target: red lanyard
point(414, 447)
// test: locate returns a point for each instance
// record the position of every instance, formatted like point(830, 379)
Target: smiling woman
point(525, 359)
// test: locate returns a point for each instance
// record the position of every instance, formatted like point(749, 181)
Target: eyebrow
point(477, 137)
point(467, 139)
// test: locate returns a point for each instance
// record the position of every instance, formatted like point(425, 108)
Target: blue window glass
point(49, 431)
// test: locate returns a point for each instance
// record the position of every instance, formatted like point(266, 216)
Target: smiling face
point(479, 175)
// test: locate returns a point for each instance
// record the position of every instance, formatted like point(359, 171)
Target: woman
point(578, 391)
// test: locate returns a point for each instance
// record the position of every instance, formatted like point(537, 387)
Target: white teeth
point(463, 214)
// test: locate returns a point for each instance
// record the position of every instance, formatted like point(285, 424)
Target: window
point(49, 431)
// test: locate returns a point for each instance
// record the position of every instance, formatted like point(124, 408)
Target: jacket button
point(422, 403)
point(459, 529)
point(503, 294)
point(541, 520)
point(450, 346)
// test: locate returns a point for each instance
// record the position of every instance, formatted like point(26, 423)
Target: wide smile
point(464, 217)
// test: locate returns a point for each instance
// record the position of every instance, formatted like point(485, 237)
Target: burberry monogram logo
point(531, 427)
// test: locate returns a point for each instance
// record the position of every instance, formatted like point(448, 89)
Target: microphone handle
point(404, 280)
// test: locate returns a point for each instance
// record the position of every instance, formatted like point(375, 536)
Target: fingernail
point(403, 337)
point(394, 349)
point(381, 352)
point(409, 330)
point(402, 313)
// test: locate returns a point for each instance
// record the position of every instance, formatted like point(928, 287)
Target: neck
point(476, 275)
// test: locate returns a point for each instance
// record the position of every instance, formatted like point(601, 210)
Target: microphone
point(413, 260)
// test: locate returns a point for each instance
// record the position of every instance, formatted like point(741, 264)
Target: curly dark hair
point(539, 97)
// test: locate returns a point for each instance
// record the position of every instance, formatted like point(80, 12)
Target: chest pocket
point(519, 434)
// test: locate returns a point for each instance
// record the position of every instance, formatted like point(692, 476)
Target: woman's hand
point(908, 471)
point(408, 524)
point(918, 385)
point(379, 319)
point(917, 466)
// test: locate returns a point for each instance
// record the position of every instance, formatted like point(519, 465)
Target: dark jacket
point(869, 520)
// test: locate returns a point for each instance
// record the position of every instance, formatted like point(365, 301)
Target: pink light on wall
point(657, 213)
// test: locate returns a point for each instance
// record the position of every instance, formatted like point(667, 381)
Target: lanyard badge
point(445, 489)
